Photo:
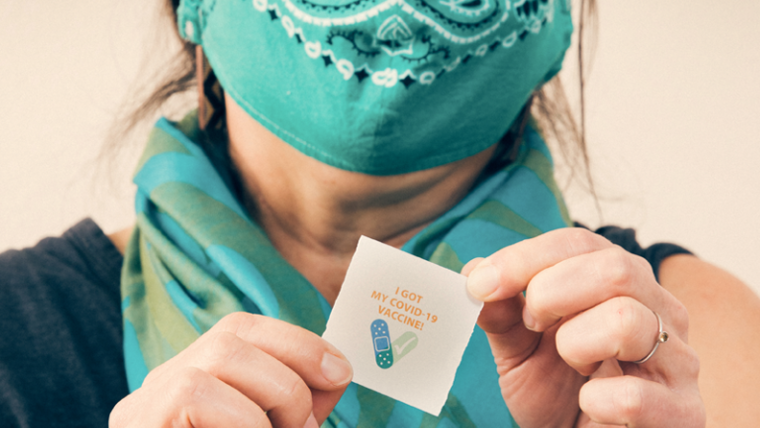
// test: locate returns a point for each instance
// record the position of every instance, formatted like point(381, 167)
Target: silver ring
point(662, 337)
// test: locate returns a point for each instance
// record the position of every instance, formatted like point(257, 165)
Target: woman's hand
point(565, 349)
point(247, 371)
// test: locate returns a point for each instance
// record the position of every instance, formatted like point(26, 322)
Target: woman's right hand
point(246, 371)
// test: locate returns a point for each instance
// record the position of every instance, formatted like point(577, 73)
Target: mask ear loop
point(200, 79)
point(211, 107)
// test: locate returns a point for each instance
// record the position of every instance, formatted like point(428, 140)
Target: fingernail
point(529, 321)
point(483, 281)
point(336, 370)
point(311, 422)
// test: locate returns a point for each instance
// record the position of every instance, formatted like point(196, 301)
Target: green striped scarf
point(196, 256)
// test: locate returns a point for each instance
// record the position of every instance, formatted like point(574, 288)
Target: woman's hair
point(549, 106)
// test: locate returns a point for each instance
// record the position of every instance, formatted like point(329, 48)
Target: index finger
point(296, 347)
point(321, 366)
point(508, 271)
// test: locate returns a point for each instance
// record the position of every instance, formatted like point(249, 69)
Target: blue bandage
point(381, 343)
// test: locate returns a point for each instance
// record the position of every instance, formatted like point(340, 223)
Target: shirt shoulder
point(61, 360)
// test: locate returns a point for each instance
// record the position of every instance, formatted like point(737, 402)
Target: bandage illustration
point(387, 352)
point(381, 340)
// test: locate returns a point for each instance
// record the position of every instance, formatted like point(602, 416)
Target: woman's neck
point(314, 213)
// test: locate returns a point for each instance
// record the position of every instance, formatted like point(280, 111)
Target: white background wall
point(673, 120)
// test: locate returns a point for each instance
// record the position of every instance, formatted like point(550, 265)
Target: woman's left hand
point(565, 348)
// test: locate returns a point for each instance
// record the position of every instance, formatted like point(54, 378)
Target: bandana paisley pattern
point(430, 38)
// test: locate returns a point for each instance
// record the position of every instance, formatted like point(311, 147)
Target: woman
point(565, 352)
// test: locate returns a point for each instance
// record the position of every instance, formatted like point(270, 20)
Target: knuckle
point(157, 374)
point(154, 374)
point(629, 400)
point(243, 324)
point(297, 341)
point(508, 259)
point(189, 386)
point(222, 348)
point(679, 317)
point(582, 240)
point(641, 269)
point(234, 321)
point(619, 267)
point(294, 390)
point(626, 321)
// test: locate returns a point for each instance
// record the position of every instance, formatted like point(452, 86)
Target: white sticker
point(403, 323)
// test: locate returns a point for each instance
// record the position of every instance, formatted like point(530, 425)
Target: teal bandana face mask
point(381, 86)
